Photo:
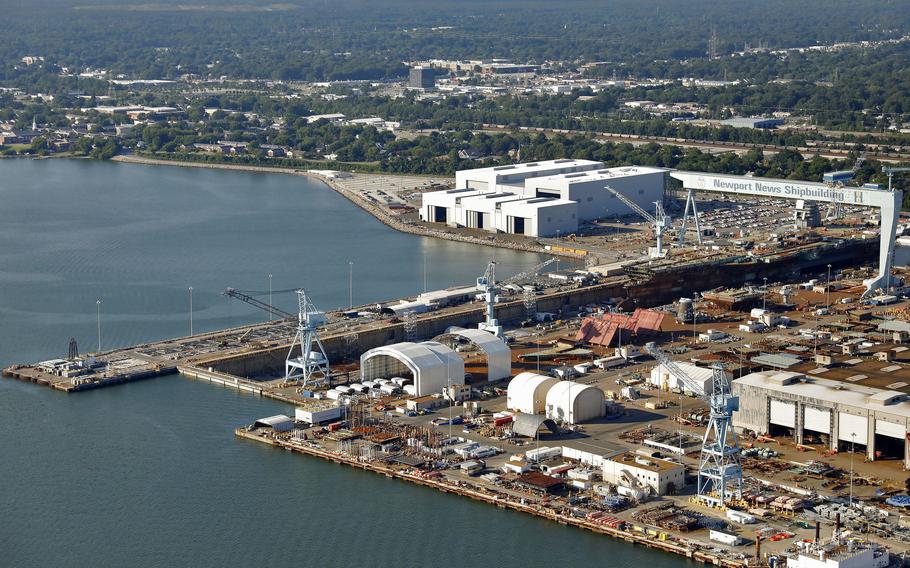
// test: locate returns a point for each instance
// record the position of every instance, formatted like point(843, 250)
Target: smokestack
point(818, 531)
point(837, 525)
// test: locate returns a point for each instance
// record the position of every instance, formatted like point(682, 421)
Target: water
point(150, 474)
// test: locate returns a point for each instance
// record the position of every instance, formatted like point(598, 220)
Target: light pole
point(764, 296)
point(424, 273)
point(852, 449)
point(350, 284)
point(815, 335)
point(191, 310)
point(828, 291)
point(694, 317)
point(98, 303)
point(270, 297)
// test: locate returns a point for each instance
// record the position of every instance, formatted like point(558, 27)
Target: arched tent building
point(431, 364)
point(527, 393)
point(496, 352)
point(572, 402)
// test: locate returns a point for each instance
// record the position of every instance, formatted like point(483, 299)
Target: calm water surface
point(150, 474)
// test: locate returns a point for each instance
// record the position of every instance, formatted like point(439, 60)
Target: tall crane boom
point(236, 294)
point(529, 273)
point(660, 221)
point(720, 473)
point(488, 285)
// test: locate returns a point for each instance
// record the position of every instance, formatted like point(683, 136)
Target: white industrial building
point(661, 377)
point(839, 414)
point(527, 393)
point(513, 176)
point(315, 413)
point(573, 403)
point(430, 364)
point(541, 199)
point(643, 185)
point(637, 471)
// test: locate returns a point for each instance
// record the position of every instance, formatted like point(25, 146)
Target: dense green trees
point(364, 39)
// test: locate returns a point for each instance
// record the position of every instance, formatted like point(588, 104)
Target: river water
point(150, 474)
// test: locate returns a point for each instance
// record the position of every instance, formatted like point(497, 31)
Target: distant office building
point(741, 122)
point(842, 176)
point(422, 78)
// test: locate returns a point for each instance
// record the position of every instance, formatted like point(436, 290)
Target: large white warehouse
point(836, 413)
point(527, 393)
point(432, 365)
point(541, 199)
point(572, 402)
point(513, 176)
point(642, 185)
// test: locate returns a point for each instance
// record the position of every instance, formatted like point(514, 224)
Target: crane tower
point(660, 221)
point(312, 366)
point(720, 473)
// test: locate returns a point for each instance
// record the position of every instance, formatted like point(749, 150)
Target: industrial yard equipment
point(238, 295)
point(312, 366)
point(889, 171)
point(720, 473)
point(690, 206)
point(660, 221)
point(488, 285)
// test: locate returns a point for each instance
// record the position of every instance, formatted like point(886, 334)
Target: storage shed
point(278, 423)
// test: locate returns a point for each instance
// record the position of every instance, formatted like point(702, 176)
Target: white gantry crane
point(720, 473)
point(690, 206)
point(488, 285)
point(312, 365)
point(660, 221)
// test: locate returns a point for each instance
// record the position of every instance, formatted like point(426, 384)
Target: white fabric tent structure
point(498, 354)
point(527, 393)
point(431, 364)
point(572, 402)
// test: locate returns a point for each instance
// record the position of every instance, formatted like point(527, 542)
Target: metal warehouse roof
point(777, 360)
point(279, 422)
point(828, 390)
point(895, 325)
point(528, 424)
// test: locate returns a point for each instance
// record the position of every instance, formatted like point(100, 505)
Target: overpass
point(887, 202)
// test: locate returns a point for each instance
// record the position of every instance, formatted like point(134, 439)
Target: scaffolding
point(410, 326)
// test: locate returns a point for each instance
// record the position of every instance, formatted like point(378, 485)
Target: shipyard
point(694, 366)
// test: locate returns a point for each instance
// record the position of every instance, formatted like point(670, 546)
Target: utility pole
point(828, 290)
point(764, 295)
point(191, 310)
point(98, 303)
point(424, 273)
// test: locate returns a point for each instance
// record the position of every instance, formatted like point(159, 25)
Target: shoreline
point(464, 489)
point(358, 200)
